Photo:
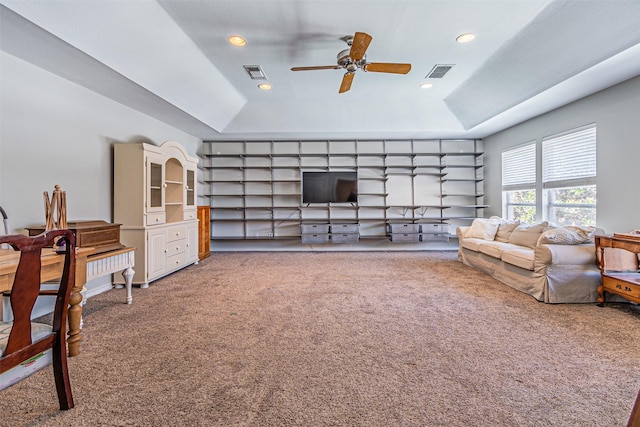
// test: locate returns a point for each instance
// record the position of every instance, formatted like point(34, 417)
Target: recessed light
point(465, 38)
point(426, 86)
point(237, 40)
point(265, 86)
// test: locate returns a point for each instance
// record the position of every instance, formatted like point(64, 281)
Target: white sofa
point(517, 256)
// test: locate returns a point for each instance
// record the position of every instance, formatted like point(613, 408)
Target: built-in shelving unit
point(254, 187)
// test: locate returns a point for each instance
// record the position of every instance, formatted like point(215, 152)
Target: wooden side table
point(625, 284)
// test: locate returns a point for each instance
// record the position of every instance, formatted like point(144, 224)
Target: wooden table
point(51, 270)
point(625, 284)
point(88, 266)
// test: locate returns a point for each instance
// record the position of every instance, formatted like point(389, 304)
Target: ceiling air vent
point(439, 71)
point(255, 72)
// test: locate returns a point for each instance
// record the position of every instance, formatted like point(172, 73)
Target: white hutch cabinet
point(155, 201)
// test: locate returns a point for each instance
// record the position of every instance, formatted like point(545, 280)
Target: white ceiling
point(170, 59)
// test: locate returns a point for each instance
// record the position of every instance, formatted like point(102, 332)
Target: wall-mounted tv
point(329, 187)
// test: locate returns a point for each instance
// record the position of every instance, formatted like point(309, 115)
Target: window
point(569, 177)
point(519, 183)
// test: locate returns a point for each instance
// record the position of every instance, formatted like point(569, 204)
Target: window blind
point(569, 159)
point(519, 167)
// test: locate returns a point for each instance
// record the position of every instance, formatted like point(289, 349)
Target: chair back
point(28, 341)
point(634, 418)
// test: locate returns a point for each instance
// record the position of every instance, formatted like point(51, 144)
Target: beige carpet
point(340, 339)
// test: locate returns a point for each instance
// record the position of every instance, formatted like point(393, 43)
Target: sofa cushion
point(494, 249)
point(569, 235)
point(472, 243)
point(505, 229)
point(520, 257)
point(527, 235)
point(483, 228)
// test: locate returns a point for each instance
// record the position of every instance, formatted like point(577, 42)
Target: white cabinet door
point(155, 184)
point(156, 252)
point(192, 242)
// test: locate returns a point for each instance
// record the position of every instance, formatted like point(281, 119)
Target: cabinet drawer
point(190, 214)
point(156, 218)
point(176, 261)
point(176, 232)
point(315, 238)
point(314, 228)
point(435, 228)
point(426, 237)
point(404, 228)
point(344, 228)
point(176, 247)
point(345, 237)
point(621, 287)
point(406, 237)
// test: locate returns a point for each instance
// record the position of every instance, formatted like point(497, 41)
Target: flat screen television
point(329, 187)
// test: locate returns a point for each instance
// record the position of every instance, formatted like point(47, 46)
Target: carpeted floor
point(340, 339)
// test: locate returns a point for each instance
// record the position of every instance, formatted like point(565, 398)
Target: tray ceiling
point(171, 60)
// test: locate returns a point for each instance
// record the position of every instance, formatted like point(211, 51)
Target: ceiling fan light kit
point(354, 58)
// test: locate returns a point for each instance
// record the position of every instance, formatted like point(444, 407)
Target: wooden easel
point(57, 205)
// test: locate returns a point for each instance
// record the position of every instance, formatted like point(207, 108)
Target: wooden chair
point(27, 347)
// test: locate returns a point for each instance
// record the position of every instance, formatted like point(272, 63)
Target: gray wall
point(616, 112)
point(56, 132)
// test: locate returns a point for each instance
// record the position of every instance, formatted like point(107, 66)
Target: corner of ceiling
point(189, 82)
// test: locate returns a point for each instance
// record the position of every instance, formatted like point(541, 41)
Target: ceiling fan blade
point(346, 82)
point(384, 67)
point(359, 45)
point(319, 67)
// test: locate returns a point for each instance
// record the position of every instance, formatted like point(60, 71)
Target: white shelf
point(399, 181)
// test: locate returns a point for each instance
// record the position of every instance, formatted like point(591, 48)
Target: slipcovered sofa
point(552, 264)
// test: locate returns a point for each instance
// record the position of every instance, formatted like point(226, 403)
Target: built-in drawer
point(344, 228)
point(404, 228)
point(314, 228)
point(406, 237)
point(156, 218)
point(315, 238)
point(176, 232)
point(435, 228)
point(190, 214)
point(344, 237)
point(435, 237)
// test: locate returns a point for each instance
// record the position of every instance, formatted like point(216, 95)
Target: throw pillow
point(569, 235)
point(527, 235)
point(482, 228)
point(505, 229)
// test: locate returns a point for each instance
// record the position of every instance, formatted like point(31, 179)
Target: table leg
point(128, 279)
point(75, 308)
point(75, 317)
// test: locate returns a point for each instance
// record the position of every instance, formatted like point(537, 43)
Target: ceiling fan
point(353, 58)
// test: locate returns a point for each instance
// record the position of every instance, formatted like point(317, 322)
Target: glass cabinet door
point(190, 188)
point(155, 189)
